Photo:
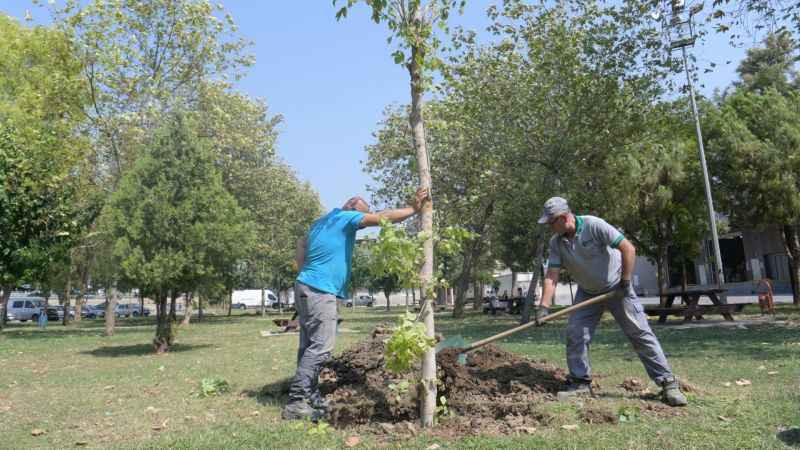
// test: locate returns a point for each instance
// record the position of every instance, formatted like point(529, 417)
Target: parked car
point(131, 310)
point(25, 308)
point(493, 304)
point(56, 312)
point(93, 311)
point(361, 300)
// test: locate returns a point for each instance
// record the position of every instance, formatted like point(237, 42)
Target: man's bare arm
point(628, 258)
point(396, 215)
point(549, 287)
point(300, 253)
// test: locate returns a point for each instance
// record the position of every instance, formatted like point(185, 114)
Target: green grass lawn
point(85, 390)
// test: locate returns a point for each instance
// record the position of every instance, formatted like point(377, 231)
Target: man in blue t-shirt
point(323, 258)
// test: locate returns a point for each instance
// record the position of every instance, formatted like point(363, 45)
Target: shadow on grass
point(790, 437)
point(275, 393)
point(139, 350)
point(58, 331)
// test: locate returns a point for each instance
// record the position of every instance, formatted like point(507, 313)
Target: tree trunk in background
point(79, 300)
point(263, 302)
point(230, 302)
point(662, 266)
point(280, 303)
point(67, 293)
point(791, 239)
point(413, 297)
point(111, 309)
point(172, 304)
point(406, 297)
point(200, 307)
point(7, 288)
point(531, 299)
point(141, 303)
point(385, 294)
point(164, 335)
point(187, 309)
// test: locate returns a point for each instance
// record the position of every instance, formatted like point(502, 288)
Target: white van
point(251, 298)
point(25, 308)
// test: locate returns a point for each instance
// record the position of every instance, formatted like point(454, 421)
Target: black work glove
point(623, 287)
point(539, 313)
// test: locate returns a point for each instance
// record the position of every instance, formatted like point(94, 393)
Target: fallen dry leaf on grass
point(433, 447)
point(82, 443)
point(743, 382)
point(37, 432)
point(161, 426)
point(569, 427)
point(724, 419)
point(727, 384)
point(772, 372)
point(352, 441)
point(106, 388)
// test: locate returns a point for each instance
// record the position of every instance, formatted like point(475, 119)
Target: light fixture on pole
point(681, 36)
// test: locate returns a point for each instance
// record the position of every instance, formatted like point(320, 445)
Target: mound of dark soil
point(495, 392)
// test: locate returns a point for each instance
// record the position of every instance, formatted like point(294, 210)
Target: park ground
point(74, 388)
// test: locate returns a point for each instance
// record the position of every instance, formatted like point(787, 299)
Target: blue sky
point(331, 80)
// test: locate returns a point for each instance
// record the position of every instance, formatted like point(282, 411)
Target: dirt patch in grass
point(598, 415)
point(494, 393)
point(633, 385)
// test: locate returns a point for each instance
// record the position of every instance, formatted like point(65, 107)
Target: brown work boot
point(671, 393)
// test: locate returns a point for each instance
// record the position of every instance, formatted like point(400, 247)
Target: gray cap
point(553, 207)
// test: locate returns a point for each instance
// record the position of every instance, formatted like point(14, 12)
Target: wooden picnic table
point(692, 309)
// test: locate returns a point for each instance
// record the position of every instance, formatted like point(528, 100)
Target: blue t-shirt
point(329, 251)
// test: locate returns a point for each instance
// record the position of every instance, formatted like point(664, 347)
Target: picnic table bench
point(691, 309)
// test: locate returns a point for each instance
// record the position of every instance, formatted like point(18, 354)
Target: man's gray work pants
point(316, 314)
point(629, 314)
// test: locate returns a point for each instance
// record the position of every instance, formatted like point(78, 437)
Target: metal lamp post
point(682, 36)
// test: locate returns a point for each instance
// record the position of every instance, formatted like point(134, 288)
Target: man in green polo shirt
point(601, 260)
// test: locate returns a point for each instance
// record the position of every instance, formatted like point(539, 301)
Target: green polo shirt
point(591, 256)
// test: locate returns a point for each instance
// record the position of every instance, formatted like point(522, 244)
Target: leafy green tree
point(754, 143)
point(174, 224)
point(666, 208)
point(771, 66)
point(143, 58)
point(40, 151)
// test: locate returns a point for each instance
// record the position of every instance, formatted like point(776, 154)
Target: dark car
point(56, 312)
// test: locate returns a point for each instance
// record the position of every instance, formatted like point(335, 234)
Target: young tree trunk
point(428, 381)
point(7, 288)
point(187, 309)
point(478, 300)
point(413, 296)
point(67, 293)
point(406, 297)
point(141, 303)
point(791, 239)
point(200, 307)
point(388, 304)
point(164, 336)
point(230, 302)
point(684, 277)
point(531, 299)
point(263, 302)
point(280, 303)
point(111, 310)
point(662, 265)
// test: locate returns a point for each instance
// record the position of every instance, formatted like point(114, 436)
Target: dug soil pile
point(495, 392)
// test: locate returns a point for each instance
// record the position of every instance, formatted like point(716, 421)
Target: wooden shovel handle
point(566, 311)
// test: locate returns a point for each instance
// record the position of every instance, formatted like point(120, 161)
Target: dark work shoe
point(576, 389)
point(300, 410)
point(671, 393)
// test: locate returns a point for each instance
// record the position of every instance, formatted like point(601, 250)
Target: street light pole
point(712, 217)
point(685, 38)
